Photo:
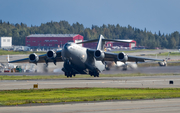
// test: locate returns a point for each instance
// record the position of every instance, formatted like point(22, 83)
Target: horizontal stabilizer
point(104, 40)
point(101, 42)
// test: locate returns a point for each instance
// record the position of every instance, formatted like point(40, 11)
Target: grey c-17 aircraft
point(80, 60)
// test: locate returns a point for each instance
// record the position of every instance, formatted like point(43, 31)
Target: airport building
point(129, 45)
point(51, 40)
point(5, 42)
point(46, 41)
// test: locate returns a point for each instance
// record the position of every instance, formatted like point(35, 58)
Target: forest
point(18, 32)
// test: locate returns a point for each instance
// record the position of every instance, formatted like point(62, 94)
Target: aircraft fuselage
point(78, 61)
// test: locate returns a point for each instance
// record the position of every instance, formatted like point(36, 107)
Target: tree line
point(18, 32)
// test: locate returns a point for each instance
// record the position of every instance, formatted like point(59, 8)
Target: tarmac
point(103, 82)
point(138, 106)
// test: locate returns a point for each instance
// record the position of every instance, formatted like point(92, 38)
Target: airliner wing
point(42, 59)
point(114, 57)
point(25, 60)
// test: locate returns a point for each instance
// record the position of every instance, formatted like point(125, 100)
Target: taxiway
point(138, 106)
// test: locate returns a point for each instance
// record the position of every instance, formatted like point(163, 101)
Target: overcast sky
point(154, 15)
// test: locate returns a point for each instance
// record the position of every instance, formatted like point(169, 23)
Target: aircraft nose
point(66, 50)
point(67, 46)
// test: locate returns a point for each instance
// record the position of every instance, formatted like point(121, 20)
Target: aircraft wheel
point(70, 74)
point(124, 68)
point(96, 74)
point(65, 73)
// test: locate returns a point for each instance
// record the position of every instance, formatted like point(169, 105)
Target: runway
point(145, 106)
point(113, 82)
point(148, 70)
point(139, 106)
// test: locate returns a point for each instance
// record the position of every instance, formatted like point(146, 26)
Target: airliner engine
point(51, 54)
point(99, 55)
point(33, 58)
point(122, 57)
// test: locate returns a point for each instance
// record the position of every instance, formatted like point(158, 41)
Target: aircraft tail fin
point(101, 43)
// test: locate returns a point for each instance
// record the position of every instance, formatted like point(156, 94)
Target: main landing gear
point(125, 67)
point(95, 74)
point(69, 74)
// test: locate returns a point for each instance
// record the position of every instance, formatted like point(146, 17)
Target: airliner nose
point(67, 45)
point(66, 50)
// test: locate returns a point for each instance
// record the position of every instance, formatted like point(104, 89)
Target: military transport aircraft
point(80, 60)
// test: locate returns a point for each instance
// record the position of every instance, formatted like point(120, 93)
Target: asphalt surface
point(114, 82)
point(119, 82)
point(145, 106)
point(140, 106)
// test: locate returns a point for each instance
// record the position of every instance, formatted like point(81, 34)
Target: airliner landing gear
point(95, 74)
point(125, 67)
point(69, 74)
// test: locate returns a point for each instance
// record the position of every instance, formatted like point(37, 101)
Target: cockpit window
point(67, 44)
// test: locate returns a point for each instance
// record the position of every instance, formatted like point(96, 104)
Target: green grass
point(133, 51)
point(176, 63)
point(159, 54)
point(14, 97)
point(3, 52)
point(37, 77)
point(166, 54)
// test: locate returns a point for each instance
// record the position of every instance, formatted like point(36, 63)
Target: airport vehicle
point(18, 69)
point(80, 60)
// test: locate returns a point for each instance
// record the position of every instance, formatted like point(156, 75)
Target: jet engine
point(33, 58)
point(99, 55)
point(122, 57)
point(51, 54)
point(162, 63)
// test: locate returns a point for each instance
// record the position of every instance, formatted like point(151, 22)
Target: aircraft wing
point(114, 57)
point(42, 59)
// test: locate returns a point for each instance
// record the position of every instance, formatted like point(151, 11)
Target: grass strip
point(3, 52)
point(166, 54)
point(14, 97)
point(133, 51)
point(177, 63)
point(39, 77)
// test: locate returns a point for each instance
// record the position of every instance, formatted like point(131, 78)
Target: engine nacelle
point(122, 57)
point(33, 58)
point(51, 54)
point(99, 55)
point(162, 63)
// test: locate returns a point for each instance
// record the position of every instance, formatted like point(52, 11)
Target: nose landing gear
point(68, 71)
